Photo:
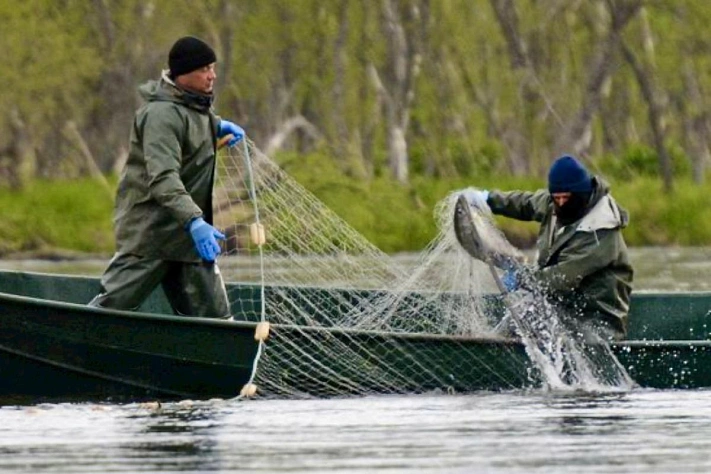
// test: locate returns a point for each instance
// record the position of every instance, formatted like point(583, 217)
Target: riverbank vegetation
point(380, 108)
point(60, 217)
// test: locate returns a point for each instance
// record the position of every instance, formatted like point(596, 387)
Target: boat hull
point(64, 350)
point(667, 364)
point(58, 350)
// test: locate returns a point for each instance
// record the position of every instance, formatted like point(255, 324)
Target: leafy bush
point(46, 215)
point(642, 161)
point(683, 218)
point(77, 215)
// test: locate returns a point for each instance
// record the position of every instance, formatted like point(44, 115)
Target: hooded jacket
point(583, 266)
point(168, 177)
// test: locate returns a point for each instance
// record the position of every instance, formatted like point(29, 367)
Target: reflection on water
point(180, 437)
point(656, 268)
point(672, 268)
point(516, 432)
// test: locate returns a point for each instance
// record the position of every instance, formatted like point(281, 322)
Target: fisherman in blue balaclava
point(582, 260)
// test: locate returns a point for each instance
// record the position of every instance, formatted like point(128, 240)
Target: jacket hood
point(164, 89)
point(604, 212)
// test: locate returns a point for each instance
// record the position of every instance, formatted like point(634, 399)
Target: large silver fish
point(477, 234)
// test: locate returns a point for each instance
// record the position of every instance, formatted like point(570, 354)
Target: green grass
point(47, 215)
point(682, 218)
point(52, 216)
point(400, 218)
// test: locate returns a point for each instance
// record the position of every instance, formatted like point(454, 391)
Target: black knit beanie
point(188, 54)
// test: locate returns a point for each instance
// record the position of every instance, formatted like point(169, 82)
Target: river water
point(641, 430)
point(638, 431)
point(656, 268)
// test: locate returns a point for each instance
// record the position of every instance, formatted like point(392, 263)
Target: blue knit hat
point(568, 175)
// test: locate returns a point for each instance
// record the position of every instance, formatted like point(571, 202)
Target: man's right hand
point(205, 237)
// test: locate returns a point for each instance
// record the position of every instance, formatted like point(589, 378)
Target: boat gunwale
point(414, 336)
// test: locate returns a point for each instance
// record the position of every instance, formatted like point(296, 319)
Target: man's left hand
point(230, 128)
point(510, 280)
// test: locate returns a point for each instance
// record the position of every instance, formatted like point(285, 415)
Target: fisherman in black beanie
point(582, 261)
point(188, 54)
point(163, 213)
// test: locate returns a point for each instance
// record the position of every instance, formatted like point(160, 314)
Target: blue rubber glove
point(478, 198)
point(205, 237)
point(510, 280)
point(225, 127)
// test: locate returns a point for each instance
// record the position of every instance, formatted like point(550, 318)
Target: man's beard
point(573, 209)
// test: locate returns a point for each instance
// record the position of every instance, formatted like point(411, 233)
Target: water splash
point(569, 356)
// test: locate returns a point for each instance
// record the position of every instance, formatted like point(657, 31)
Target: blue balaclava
point(568, 175)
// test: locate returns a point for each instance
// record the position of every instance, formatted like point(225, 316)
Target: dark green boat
point(54, 347)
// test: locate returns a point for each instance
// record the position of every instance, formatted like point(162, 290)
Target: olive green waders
point(193, 289)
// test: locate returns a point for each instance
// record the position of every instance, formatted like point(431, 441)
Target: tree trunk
point(106, 128)
point(85, 162)
point(576, 136)
point(288, 127)
point(654, 114)
point(397, 89)
point(226, 35)
point(696, 124)
point(22, 164)
point(515, 135)
point(397, 148)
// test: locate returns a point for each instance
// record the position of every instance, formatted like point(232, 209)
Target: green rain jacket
point(583, 266)
point(168, 177)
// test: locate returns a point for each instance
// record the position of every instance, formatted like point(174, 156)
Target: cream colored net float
point(345, 317)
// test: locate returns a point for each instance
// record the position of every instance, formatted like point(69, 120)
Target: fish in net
point(567, 354)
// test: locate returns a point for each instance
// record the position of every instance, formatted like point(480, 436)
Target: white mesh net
point(347, 318)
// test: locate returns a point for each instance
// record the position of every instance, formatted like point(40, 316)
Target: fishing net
point(345, 317)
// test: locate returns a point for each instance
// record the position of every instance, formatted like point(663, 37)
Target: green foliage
point(50, 215)
point(642, 161)
point(393, 216)
point(455, 158)
point(48, 60)
point(684, 218)
point(54, 215)
point(400, 218)
point(388, 214)
point(473, 105)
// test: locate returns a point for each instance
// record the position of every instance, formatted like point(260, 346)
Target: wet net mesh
point(345, 317)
